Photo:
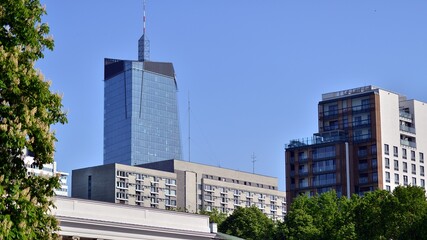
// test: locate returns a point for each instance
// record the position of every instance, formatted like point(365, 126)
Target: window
point(122, 174)
point(386, 150)
point(324, 179)
point(374, 176)
point(423, 183)
point(374, 163)
point(89, 187)
point(363, 165)
point(395, 151)
point(324, 152)
point(387, 187)
point(405, 167)
point(362, 152)
point(405, 180)
point(332, 110)
point(414, 169)
point(387, 163)
point(414, 181)
point(422, 170)
point(170, 181)
point(396, 165)
point(421, 157)
point(387, 177)
point(396, 178)
point(374, 149)
point(404, 153)
point(170, 192)
point(413, 155)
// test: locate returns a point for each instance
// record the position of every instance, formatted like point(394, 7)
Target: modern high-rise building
point(369, 138)
point(141, 122)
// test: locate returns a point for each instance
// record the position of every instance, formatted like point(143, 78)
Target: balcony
point(362, 123)
point(361, 138)
point(405, 115)
point(362, 108)
point(363, 166)
point(407, 129)
point(303, 159)
point(363, 180)
point(408, 143)
point(154, 190)
point(324, 169)
point(303, 172)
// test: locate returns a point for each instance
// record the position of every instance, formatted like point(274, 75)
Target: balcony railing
point(405, 115)
point(407, 129)
point(363, 166)
point(362, 123)
point(408, 143)
point(362, 108)
point(364, 137)
point(324, 169)
point(303, 172)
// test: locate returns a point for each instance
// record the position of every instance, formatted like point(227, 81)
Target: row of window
point(236, 192)
point(140, 176)
point(404, 153)
point(405, 167)
point(247, 183)
point(405, 180)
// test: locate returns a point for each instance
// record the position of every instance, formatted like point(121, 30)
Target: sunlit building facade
point(140, 112)
point(368, 139)
point(180, 185)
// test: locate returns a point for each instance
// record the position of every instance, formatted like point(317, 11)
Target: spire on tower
point(143, 42)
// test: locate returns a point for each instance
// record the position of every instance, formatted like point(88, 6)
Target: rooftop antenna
point(189, 135)
point(143, 42)
point(253, 162)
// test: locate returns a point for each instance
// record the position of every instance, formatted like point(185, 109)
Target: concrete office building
point(369, 138)
point(175, 184)
point(140, 110)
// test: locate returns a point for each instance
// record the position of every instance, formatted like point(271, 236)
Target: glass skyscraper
point(141, 122)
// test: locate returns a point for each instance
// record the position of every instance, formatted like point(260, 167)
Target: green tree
point(324, 216)
point(215, 216)
point(248, 223)
point(27, 110)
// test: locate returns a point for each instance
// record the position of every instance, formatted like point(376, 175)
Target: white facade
point(86, 219)
point(47, 170)
point(404, 140)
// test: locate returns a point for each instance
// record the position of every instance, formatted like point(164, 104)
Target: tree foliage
point(248, 223)
point(215, 216)
point(377, 215)
point(401, 214)
point(27, 110)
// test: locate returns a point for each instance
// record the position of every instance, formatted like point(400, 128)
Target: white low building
point(82, 219)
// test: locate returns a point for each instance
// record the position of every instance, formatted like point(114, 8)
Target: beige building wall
point(179, 185)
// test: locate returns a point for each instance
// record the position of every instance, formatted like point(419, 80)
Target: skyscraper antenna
point(189, 133)
point(253, 162)
point(143, 43)
point(143, 18)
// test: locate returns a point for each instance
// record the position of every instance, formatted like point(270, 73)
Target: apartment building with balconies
point(369, 138)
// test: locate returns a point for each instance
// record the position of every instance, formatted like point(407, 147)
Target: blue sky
point(254, 70)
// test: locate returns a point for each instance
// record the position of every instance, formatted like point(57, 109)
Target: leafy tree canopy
point(27, 110)
point(248, 223)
